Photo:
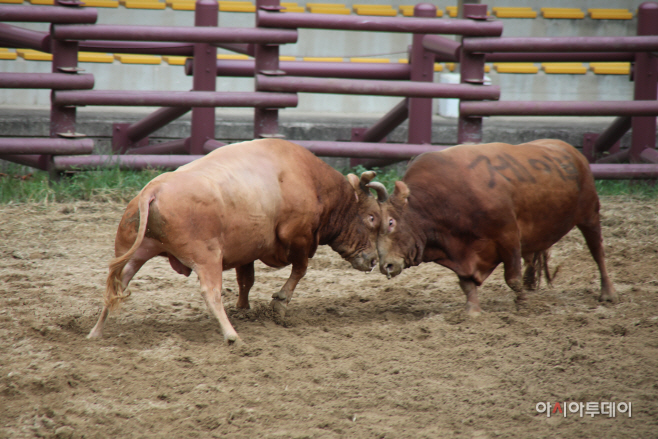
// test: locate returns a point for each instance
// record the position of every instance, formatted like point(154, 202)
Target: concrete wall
point(327, 43)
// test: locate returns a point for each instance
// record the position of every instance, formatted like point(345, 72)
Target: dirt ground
point(357, 357)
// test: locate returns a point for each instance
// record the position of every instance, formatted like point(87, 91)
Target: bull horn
point(367, 176)
point(382, 193)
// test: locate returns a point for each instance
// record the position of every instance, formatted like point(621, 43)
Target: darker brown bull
point(471, 207)
point(268, 200)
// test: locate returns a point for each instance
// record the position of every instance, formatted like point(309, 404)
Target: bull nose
point(390, 269)
point(365, 262)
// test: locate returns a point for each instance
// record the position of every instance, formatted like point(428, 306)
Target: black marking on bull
point(505, 161)
point(566, 165)
point(493, 170)
point(540, 165)
point(563, 166)
point(522, 174)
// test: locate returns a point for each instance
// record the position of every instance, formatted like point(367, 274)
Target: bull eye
point(371, 218)
point(391, 224)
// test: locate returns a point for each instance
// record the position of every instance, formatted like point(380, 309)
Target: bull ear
point(354, 182)
point(401, 191)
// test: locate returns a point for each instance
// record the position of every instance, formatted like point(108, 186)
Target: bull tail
point(114, 291)
point(536, 268)
point(540, 264)
point(545, 256)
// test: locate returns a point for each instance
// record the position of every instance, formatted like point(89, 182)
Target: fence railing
point(277, 83)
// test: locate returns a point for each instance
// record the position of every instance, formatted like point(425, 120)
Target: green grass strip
point(109, 184)
point(114, 184)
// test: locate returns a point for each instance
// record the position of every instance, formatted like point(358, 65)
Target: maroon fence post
point(612, 135)
point(378, 132)
point(62, 118)
point(469, 129)
point(422, 70)
point(266, 120)
point(646, 81)
point(205, 77)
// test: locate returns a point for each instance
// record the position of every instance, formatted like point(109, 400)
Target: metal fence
point(277, 83)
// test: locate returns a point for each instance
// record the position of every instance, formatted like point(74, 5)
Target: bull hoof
point(237, 342)
point(94, 334)
point(241, 305)
point(473, 310)
point(233, 339)
point(279, 296)
point(607, 296)
point(279, 307)
point(516, 285)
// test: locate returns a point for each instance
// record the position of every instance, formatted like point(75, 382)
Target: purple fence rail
point(377, 88)
point(175, 34)
point(175, 98)
point(416, 24)
point(277, 83)
point(559, 108)
point(54, 81)
point(47, 14)
point(21, 145)
point(247, 68)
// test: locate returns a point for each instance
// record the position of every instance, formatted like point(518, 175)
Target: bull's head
point(395, 244)
point(366, 226)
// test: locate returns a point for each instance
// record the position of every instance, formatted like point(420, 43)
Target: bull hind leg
point(210, 276)
point(592, 234)
point(245, 277)
point(131, 268)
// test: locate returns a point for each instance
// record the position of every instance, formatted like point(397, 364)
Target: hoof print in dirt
point(456, 317)
point(280, 308)
point(244, 350)
point(534, 304)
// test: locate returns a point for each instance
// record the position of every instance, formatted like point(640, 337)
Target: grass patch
point(113, 184)
point(646, 189)
point(387, 177)
point(109, 184)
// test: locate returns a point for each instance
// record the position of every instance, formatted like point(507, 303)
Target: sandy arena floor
point(357, 357)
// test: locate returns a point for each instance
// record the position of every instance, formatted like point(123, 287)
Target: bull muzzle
point(365, 261)
point(391, 268)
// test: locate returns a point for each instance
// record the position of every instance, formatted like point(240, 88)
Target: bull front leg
point(282, 298)
point(512, 262)
point(469, 288)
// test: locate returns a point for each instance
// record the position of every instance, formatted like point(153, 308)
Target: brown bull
point(268, 200)
point(471, 207)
